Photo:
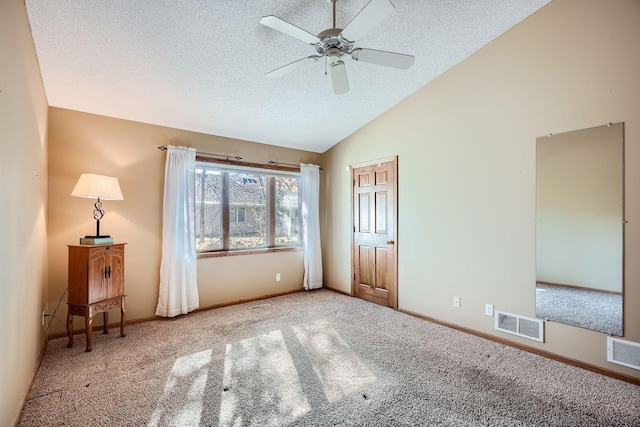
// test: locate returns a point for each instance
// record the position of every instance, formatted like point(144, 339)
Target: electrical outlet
point(42, 317)
point(456, 302)
point(277, 277)
point(488, 310)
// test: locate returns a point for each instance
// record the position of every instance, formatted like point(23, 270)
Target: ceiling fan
point(334, 43)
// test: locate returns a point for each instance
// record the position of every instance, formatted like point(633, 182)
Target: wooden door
point(374, 247)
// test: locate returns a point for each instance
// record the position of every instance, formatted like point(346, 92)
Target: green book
point(96, 240)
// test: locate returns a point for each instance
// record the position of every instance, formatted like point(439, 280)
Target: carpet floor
point(598, 311)
point(314, 359)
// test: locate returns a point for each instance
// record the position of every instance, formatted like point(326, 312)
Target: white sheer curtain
point(310, 201)
point(178, 274)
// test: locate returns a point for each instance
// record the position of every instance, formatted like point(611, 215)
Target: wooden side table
point(90, 310)
point(96, 285)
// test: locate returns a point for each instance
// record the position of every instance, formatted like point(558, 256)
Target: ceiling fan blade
point(339, 78)
point(289, 29)
point(300, 63)
point(370, 15)
point(380, 57)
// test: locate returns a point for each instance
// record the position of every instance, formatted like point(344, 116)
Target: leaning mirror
point(580, 227)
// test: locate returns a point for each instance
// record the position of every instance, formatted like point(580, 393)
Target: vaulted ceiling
point(199, 65)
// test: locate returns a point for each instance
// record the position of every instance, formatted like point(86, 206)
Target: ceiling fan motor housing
point(331, 39)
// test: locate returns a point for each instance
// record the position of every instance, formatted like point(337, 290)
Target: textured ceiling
point(199, 65)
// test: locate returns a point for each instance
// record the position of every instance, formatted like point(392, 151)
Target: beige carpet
point(594, 310)
point(314, 359)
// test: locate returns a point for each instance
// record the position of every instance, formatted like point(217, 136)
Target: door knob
point(390, 242)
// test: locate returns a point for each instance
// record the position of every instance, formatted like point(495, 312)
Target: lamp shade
point(95, 186)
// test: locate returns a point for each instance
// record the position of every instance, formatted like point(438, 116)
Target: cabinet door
point(97, 280)
point(78, 275)
point(116, 280)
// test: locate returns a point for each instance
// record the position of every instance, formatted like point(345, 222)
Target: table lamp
point(99, 187)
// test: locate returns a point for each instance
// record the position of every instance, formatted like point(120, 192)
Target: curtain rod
point(222, 156)
point(274, 163)
point(228, 157)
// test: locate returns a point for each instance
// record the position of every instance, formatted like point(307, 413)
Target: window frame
point(271, 172)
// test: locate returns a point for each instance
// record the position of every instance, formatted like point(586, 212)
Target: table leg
point(122, 316)
point(70, 328)
point(88, 320)
point(105, 322)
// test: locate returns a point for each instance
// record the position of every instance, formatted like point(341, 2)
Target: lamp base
point(96, 240)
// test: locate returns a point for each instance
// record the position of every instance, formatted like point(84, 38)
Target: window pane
point(247, 210)
point(208, 203)
point(287, 212)
point(236, 214)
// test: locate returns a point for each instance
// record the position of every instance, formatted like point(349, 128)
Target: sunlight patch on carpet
point(339, 369)
point(181, 402)
point(261, 386)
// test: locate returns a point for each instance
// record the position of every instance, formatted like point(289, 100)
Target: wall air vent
point(625, 353)
point(519, 325)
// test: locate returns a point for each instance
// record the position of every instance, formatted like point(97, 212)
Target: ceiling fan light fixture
point(339, 77)
point(334, 54)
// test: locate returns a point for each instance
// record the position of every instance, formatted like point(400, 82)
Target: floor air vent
point(521, 326)
point(625, 353)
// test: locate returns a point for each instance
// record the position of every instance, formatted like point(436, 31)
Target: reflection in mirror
point(579, 228)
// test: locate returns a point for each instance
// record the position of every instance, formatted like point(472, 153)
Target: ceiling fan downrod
point(334, 12)
point(331, 43)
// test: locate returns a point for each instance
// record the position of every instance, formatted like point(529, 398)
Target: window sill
point(218, 254)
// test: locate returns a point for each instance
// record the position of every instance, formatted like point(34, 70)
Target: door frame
point(394, 159)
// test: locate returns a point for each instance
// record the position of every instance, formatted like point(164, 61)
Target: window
point(236, 214)
point(287, 211)
point(208, 209)
point(245, 208)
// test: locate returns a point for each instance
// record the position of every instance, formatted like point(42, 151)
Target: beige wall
point(80, 143)
point(23, 206)
point(466, 147)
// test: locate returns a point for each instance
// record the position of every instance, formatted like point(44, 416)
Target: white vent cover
point(519, 325)
point(625, 353)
